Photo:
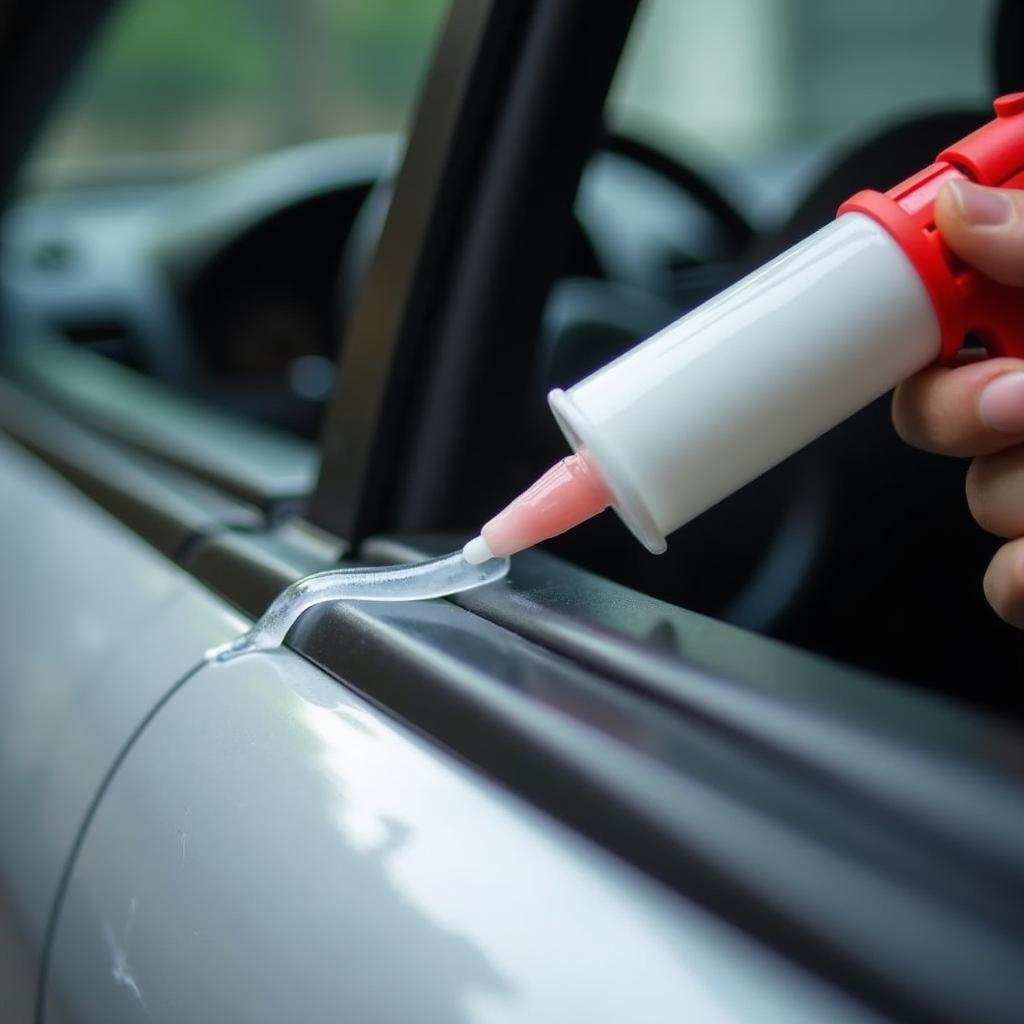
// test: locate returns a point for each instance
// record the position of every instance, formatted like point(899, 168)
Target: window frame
point(492, 167)
point(41, 46)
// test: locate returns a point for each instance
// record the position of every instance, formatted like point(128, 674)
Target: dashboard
point(225, 286)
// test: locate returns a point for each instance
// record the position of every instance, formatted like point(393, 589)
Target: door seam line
point(65, 876)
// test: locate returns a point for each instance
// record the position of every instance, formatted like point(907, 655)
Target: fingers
point(985, 227)
point(1004, 583)
point(968, 410)
point(977, 409)
point(995, 492)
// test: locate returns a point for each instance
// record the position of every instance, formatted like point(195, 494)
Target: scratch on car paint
point(183, 834)
point(119, 954)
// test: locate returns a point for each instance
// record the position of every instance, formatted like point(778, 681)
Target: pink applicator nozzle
point(569, 493)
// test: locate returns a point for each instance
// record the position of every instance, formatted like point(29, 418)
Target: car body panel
point(275, 848)
point(98, 628)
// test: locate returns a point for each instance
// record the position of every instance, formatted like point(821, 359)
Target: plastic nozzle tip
point(477, 551)
point(570, 492)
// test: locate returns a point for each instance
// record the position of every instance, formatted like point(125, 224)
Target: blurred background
point(179, 86)
point(775, 85)
point(753, 76)
point(186, 85)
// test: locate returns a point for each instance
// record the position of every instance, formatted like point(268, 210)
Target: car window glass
point(771, 88)
point(189, 209)
point(179, 86)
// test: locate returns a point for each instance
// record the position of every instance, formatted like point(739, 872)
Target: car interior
point(236, 287)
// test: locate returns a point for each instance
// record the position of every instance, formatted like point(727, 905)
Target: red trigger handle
point(966, 301)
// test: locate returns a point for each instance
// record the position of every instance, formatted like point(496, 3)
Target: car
point(772, 775)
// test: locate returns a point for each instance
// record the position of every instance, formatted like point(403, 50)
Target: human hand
point(976, 408)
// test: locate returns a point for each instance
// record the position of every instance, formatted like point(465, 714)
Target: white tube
point(723, 394)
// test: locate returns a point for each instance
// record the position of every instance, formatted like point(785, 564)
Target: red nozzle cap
point(1010, 104)
point(965, 300)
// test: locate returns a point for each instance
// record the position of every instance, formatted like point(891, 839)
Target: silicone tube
point(732, 388)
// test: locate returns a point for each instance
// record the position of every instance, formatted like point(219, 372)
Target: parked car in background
point(273, 278)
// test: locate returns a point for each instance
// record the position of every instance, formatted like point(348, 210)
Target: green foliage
point(164, 55)
point(383, 46)
point(165, 64)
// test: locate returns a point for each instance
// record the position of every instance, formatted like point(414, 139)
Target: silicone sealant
point(416, 581)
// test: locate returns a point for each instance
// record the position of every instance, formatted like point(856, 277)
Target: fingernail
point(1001, 406)
point(982, 207)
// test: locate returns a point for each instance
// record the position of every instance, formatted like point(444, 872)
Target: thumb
point(985, 227)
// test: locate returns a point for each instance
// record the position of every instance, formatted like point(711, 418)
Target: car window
point(770, 88)
point(190, 210)
point(179, 86)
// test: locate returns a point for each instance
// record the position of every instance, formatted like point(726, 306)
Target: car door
point(553, 798)
point(98, 628)
point(101, 621)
